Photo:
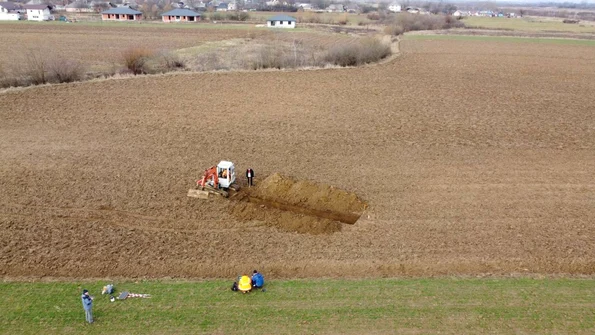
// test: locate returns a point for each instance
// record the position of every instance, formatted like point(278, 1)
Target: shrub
point(395, 29)
point(65, 70)
point(217, 16)
point(3, 78)
point(343, 20)
point(135, 60)
point(366, 51)
point(271, 57)
point(173, 62)
point(310, 18)
point(36, 68)
point(238, 16)
point(374, 16)
point(405, 22)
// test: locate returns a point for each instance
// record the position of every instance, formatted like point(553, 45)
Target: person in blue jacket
point(87, 305)
point(257, 280)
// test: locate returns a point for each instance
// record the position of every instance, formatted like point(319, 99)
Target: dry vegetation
point(99, 48)
point(283, 51)
point(199, 49)
point(474, 157)
point(404, 22)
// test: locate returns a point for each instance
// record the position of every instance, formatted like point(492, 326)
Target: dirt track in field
point(474, 158)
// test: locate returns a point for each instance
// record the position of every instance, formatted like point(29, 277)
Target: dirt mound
point(300, 206)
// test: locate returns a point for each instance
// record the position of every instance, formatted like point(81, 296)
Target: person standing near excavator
point(250, 176)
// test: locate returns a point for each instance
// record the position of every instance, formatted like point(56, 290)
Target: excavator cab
point(218, 179)
point(227, 174)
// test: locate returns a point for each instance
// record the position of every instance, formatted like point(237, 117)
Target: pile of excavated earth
point(300, 206)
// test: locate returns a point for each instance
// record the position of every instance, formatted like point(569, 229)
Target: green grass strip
point(457, 306)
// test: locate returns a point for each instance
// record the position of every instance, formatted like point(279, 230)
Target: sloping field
point(101, 46)
point(474, 157)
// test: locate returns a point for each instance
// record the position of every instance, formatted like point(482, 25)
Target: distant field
point(99, 46)
point(529, 24)
point(352, 19)
point(505, 39)
point(457, 306)
point(258, 17)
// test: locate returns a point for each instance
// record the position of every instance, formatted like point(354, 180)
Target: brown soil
point(300, 206)
point(510, 33)
point(100, 47)
point(475, 157)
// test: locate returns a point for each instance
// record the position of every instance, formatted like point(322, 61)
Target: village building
point(9, 11)
point(121, 14)
point(352, 8)
point(335, 8)
point(39, 13)
point(305, 6)
point(394, 7)
point(180, 15)
point(281, 21)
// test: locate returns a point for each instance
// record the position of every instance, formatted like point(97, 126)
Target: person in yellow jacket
point(245, 284)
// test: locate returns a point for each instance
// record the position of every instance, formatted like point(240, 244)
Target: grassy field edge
point(450, 305)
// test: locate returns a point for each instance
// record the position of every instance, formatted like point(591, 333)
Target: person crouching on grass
point(245, 284)
point(87, 305)
point(257, 280)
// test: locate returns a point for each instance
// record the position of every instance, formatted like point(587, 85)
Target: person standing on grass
point(87, 305)
point(250, 176)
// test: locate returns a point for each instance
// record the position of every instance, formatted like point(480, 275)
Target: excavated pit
point(300, 206)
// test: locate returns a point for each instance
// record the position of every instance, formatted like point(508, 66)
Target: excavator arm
point(209, 173)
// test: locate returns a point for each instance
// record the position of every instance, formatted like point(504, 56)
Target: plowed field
point(474, 157)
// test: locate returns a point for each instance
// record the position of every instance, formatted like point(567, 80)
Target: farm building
point(8, 11)
point(305, 6)
point(39, 13)
point(335, 8)
point(394, 7)
point(281, 21)
point(352, 8)
point(121, 14)
point(180, 15)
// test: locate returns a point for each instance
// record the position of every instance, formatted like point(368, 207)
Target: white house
point(395, 8)
point(335, 8)
point(232, 6)
point(413, 10)
point(460, 13)
point(39, 13)
point(281, 21)
point(8, 11)
point(305, 6)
